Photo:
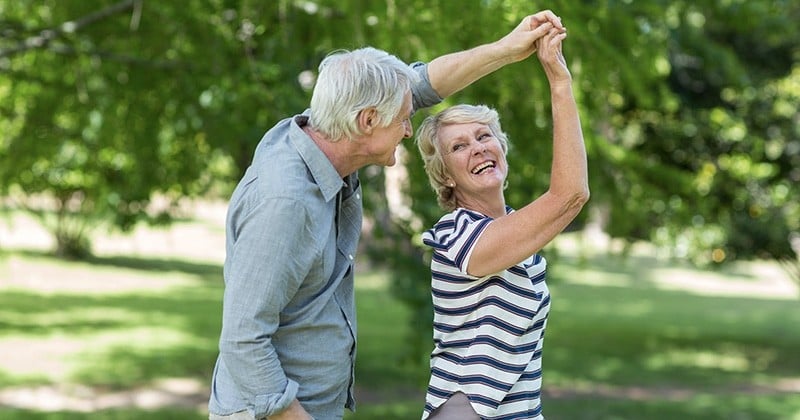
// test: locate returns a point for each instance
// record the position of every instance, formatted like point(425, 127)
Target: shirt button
point(350, 256)
point(358, 196)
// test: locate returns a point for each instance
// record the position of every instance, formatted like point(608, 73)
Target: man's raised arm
point(450, 73)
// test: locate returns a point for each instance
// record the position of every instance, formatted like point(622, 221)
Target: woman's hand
point(521, 42)
point(552, 59)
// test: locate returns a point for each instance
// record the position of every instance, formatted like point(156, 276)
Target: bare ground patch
point(175, 392)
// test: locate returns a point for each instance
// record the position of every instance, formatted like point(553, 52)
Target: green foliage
point(742, 153)
point(102, 115)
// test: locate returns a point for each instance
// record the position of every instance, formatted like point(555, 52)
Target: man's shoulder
point(276, 154)
point(277, 137)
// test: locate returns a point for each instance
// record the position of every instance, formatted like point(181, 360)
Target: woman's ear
point(367, 120)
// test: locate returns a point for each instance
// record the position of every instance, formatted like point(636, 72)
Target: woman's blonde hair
point(429, 145)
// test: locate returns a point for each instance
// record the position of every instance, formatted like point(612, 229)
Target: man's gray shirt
point(289, 324)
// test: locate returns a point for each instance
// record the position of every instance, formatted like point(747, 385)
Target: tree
point(101, 114)
point(109, 105)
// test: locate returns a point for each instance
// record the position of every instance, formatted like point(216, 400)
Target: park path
point(188, 393)
point(176, 392)
point(204, 241)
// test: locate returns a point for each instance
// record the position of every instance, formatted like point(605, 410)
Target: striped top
point(487, 331)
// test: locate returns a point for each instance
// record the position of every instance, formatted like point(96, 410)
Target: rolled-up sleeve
point(265, 267)
point(423, 93)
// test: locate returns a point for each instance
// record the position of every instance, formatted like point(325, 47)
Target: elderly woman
point(488, 282)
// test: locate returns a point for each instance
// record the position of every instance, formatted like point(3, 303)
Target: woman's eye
point(484, 136)
point(457, 147)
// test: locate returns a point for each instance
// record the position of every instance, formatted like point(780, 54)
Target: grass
point(620, 345)
point(644, 353)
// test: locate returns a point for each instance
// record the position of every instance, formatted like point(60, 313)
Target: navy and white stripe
point(487, 331)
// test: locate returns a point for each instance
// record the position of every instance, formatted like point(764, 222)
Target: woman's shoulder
point(457, 223)
point(457, 217)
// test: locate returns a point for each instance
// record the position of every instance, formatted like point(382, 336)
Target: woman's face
point(473, 158)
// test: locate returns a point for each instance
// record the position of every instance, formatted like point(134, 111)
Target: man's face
point(384, 140)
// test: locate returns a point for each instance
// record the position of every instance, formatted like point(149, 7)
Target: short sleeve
point(454, 237)
point(423, 94)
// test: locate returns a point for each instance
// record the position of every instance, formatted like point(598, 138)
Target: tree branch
point(119, 58)
point(43, 38)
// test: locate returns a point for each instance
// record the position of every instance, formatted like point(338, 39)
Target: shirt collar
point(321, 168)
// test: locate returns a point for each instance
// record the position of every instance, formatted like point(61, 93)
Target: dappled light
point(672, 359)
point(646, 265)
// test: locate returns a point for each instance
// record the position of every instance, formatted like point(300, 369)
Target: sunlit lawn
point(633, 352)
point(624, 348)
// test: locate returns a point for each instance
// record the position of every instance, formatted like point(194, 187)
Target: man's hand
point(522, 41)
point(452, 72)
point(295, 411)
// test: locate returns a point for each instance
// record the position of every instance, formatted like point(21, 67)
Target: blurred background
point(124, 126)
